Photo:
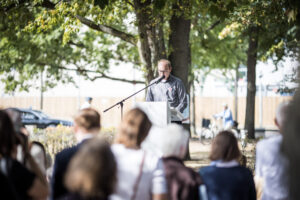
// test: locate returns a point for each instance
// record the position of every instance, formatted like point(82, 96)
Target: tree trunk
point(236, 98)
point(143, 44)
point(42, 92)
point(151, 46)
point(156, 41)
point(180, 56)
point(251, 85)
point(151, 42)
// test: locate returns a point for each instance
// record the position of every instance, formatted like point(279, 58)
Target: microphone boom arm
point(121, 103)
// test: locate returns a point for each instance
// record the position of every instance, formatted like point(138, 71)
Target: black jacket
point(62, 160)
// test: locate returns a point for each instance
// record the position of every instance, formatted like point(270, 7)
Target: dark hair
point(16, 118)
point(8, 137)
point(225, 147)
point(92, 171)
point(88, 119)
point(134, 128)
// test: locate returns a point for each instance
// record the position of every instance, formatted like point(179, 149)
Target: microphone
point(161, 78)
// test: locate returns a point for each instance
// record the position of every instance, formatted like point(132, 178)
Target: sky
point(97, 88)
point(266, 75)
point(213, 86)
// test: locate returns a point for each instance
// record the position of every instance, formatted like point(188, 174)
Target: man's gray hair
point(281, 113)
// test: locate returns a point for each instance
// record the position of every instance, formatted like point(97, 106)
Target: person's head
point(89, 99)
point(15, 117)
point(164, 68)
point(87, 121)
point(134, 128)
point(172, 141)
point(92, 171)
point(225, 106)
point(281, 114)
point(8, 137)
point(225, 147)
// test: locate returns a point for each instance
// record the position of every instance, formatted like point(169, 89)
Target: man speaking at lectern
point(170, 88)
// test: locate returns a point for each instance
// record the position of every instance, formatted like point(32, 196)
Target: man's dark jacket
point(61, 163)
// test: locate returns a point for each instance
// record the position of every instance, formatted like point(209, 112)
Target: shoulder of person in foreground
point(268, 143)
point(156, 167)
point(213, 169)
point(175, 168)
point(152, 161)
point(68, 152)
point(207, 169)
point(32, 182)
point(61, 162)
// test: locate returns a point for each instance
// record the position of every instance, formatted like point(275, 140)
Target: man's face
point(163, 69)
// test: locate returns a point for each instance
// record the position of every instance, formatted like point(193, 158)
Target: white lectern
point(160, 113)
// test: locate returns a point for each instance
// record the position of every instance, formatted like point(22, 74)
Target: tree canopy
point(89, 36)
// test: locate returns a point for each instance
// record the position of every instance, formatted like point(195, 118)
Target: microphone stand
point(121, 103)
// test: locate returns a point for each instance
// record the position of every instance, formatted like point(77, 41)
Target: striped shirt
point(171, 90)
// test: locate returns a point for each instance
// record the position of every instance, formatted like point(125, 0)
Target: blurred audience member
point(271, 164)
point(25, 184)
point(87, 103)
point(183, 182)
point(226, 116)
point(34, 148)
point(291, 141)
point(225, 179)
point(86, 126)
point(92, 172)
point(7, 189)
point(140, 173)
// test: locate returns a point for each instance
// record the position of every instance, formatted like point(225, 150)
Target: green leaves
point(159, 4)
point(35, 37)
point(217, 48)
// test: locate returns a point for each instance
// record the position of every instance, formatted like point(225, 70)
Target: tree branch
point(58, 2)
point(76, 44)
point(106, 29)
point(122, 59)
point(213, 25)
point(127, 1)
point(102, 75)
point(117, 79)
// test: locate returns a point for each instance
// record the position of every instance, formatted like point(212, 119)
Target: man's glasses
point(163, 71)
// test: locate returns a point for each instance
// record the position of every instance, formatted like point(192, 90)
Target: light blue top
point(226, 116)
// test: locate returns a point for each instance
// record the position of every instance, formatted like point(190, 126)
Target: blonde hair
point(88, 118)
point(93, 170)
point(134, 128)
